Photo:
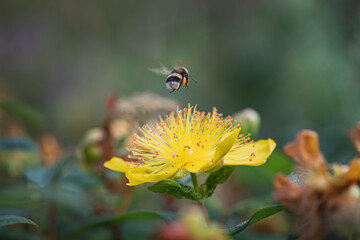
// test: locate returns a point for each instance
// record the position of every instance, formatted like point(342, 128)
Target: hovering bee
point(176, 78)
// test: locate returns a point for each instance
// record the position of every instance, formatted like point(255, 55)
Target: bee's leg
point(175, 90)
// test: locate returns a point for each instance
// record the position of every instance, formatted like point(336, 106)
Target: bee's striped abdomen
point(174, 81)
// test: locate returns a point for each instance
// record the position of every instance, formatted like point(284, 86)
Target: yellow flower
point(191, 141)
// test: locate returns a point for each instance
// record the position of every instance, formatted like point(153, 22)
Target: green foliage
point(63, 185)
point(41, 176)
point(205, 190)
point(26, 113)
point(17, 153)
point(175, 189)
point(12, 164)
point(257, 216)
point(18, 197)
point(12, 219)
point(13, 234)
point(21, 143)
point(126, 217)
point(252, 204)
point(216, 178)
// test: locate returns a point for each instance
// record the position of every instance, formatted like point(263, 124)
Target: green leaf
point(292, 237)
point(257, 216)
point(40, 176)
point(21, 110)
point(22, 143)
point(43, 176)
point(12, 219)
point(174, 189)
point(68, 196)
point(216, 178)
point(252, 204)
point(166, 216)
point(108, 220)
point(18, 196)
point(13, 234)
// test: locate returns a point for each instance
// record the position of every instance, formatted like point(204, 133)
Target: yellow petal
point(252, 154)
point(138, 175)
point(117, 164)
point(224, 146)
point(136, 178)
point(198, 166)
point(201, 165)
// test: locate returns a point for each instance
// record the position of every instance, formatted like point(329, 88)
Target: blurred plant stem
point(100, 209)
point(201, 203)
point(203, 208)
point(52, 221)
point(126, 201)
point(115, 232)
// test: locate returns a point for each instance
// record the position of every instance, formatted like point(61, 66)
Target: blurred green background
point(295, 62)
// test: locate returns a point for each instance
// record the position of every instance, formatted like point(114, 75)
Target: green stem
point(201, 203)
point(194, 180)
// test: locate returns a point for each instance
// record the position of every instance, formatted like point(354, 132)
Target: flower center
point(189, 136)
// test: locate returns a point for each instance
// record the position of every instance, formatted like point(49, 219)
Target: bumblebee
point(176, 78)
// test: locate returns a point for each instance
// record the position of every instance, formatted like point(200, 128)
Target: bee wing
point(193, 79)
point(162, 71)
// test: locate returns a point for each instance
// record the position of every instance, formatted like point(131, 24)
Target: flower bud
point(250, 121)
